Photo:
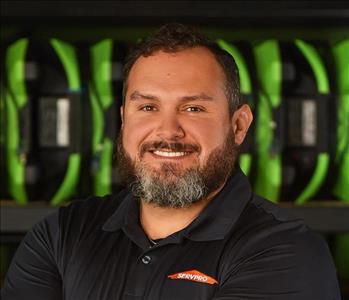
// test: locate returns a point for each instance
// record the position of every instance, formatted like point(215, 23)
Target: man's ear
point(122, 115)
point(241, 121)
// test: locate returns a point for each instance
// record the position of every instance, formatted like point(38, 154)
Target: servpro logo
point(194, 275)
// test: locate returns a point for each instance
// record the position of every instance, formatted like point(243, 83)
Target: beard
point(171, 186)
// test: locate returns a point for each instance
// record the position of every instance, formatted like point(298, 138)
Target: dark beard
point(171, 188)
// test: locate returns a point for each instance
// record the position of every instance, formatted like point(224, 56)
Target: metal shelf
point(321, 216)
point(19, 219)
point(313, 13)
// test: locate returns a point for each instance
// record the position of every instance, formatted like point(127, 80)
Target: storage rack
point(126, 19)
point(319, 18)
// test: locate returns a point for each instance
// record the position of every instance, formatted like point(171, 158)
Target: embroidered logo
point(194, 275)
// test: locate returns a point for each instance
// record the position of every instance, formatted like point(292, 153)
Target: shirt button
point(146, 259)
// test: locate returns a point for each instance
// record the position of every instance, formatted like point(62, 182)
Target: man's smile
point(170, 153)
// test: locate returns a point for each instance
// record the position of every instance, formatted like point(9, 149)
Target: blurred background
point(61, 90)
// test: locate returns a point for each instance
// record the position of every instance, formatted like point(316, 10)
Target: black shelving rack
point(241, 13)
point(129, 20)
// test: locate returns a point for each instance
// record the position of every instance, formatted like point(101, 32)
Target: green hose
point(101, 55)
point(68, 57)
point(101, 99)
point(245, 88)
point(245, 161)
point(103, 179)
point(269, 165)
point(245, 78)
point(97, 120)
point(102, 148)
point(321, 168)
point(16, 101)
point(322, 82)
point(341, 56)
point(341, 190)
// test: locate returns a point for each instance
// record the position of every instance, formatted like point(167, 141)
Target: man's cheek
point(129, 145)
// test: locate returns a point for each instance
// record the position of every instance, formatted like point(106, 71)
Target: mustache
point(172, 146)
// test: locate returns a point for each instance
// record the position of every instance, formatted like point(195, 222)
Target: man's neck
point(160, 222)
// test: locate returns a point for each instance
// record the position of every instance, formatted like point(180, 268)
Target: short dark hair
point(174, 37)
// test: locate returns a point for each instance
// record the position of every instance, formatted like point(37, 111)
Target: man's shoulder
point(91, 210)
point(96, 202)
point(265, 225)
point(88, 212)
point(266, 214)
point(278, 246)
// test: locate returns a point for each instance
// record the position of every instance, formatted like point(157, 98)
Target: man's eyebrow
point(202, 97)
point(137, 95)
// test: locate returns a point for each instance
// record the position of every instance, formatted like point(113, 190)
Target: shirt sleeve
point(33, 273)
point(296, 269)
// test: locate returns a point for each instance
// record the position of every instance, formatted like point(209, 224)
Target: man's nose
point(169, 127)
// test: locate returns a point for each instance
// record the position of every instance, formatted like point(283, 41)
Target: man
point(189, 227)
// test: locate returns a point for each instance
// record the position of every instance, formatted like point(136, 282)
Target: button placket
point(140, 275)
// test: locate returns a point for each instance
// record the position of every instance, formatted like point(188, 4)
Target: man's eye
point(148, 108)
point(193, 109)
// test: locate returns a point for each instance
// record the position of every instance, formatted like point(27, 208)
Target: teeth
point(169, 154)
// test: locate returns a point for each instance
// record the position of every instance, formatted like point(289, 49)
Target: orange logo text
point(194, 275)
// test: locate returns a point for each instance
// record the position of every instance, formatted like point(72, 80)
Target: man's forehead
point(189, 74)
point(199, 56)
point(194, 65)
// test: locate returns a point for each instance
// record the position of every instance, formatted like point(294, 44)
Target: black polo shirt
point(240, 247)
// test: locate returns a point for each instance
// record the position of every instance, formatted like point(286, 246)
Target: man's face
point(176, 117)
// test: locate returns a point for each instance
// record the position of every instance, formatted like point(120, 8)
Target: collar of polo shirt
point(212, 224)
